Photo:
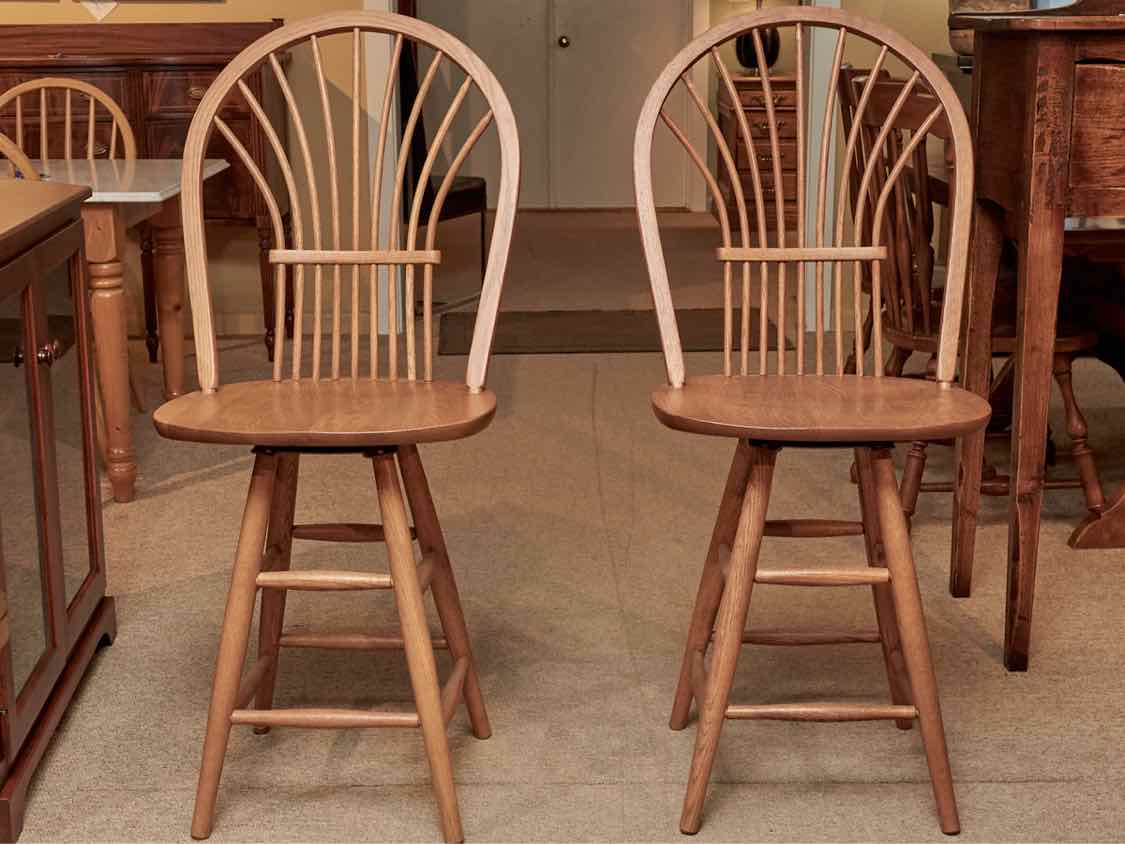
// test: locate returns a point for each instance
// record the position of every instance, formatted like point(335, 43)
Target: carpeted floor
point(577, 525)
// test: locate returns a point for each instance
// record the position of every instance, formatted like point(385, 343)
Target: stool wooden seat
point(351, 393)
point(358, 413)
point(817, 409)
point(769, 397)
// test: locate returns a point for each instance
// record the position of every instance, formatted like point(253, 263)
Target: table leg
point(1040, 240)
point(168, 269)
point(105, 236)
point(976, 367)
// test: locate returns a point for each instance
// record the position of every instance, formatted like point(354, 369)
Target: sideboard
point(158, 73)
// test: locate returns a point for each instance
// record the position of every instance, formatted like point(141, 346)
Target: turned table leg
point(105, 236)
point(168, 270)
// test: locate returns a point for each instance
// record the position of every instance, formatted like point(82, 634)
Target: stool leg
point(915, 643)
point(416, 638)
point(443, 585)
point(279, 546)
point(731, 625)
point(1076, 428)
point(711, 582)
point(912, 478)
point(883, 599)
point(233, 639)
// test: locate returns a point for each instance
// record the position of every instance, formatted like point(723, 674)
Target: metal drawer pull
point(196, 92)
point(765, 126)
point(46, 355)
point(761, 101)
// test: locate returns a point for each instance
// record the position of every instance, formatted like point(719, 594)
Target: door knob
point(564, 41)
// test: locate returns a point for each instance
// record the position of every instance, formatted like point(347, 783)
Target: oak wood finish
point(157, 74)
point(809, 399)
point(1031, 83)
point(41, 232)
point(327, 398)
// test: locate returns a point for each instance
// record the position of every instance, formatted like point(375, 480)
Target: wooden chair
point(783, 399)
point(347, 396)
point(912, 299)
point(19, 163)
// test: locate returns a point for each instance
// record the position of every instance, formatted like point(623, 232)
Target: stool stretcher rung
point(820, 712)
point(452, 690)
point(698, 677)
point(810, 637)
point(812, 528)
point(868, 576)
point(342, 532)
point(251, 680)
point(323, 719)
point(322, 581)
point(425, 571)
point(349, 641)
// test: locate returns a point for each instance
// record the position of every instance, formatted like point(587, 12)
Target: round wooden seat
point(346, 412)
point(827, 409)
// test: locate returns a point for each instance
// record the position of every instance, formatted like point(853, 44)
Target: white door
point(605, 56)
point(576, 106)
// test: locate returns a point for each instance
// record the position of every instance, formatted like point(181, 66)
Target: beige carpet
point(578, 525)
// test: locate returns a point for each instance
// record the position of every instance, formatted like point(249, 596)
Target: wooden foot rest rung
point(324, 581)
point(867, 576)
point(349, 641)
point(342, 532)
point(812, 528)
point(251, 680)
point(810, 637)
point(323, 719)
point(821, 712)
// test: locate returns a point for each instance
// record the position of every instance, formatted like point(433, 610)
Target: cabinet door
point(34, 655)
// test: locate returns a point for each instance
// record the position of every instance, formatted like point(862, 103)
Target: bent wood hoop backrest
point(857, 237)
point(38, 94)
point(17, 159)
point(332, 254)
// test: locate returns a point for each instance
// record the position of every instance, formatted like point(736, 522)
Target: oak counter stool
point(808, 401)
point(327, 402)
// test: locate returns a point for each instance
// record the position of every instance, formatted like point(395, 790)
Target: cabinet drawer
point(758, 120)
point(229, 195)
point(179, 92)
point(782, 94)
point(769, 189)
point(787, 152)
point(113, 83)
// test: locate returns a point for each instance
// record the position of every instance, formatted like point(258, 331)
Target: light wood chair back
point(795, 254)
point(17, 160)
point(331, 252)
point(42, 93)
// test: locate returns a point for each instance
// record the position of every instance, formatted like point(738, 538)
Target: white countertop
point(115, 180)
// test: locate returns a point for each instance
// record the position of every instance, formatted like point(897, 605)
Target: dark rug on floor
point(564, 332)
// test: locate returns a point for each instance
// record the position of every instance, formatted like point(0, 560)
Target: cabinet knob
point(49, 353)
point(196, 92)
point(564, 41)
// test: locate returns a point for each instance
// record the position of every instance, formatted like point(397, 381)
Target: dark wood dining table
point(1048, 118)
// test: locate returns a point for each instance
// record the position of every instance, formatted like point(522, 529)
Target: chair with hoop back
point(348, 393)
point(778, 397)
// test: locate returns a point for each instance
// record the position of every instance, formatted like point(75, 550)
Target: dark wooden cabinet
point(53, 608)
point(783, 91)
point(158, 73)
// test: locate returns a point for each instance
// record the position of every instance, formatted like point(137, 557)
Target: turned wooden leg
point(418, 645)
point(148, 288)
point(884, 600)
point(443, 585)
point(233, 639)
point(912, 478)
point(915, 642)
point(711, 582)
point(168, 266)
point(1076, 428)
point(279, 546)
point(105, 238)
point(976, 368)
point(729, 629)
